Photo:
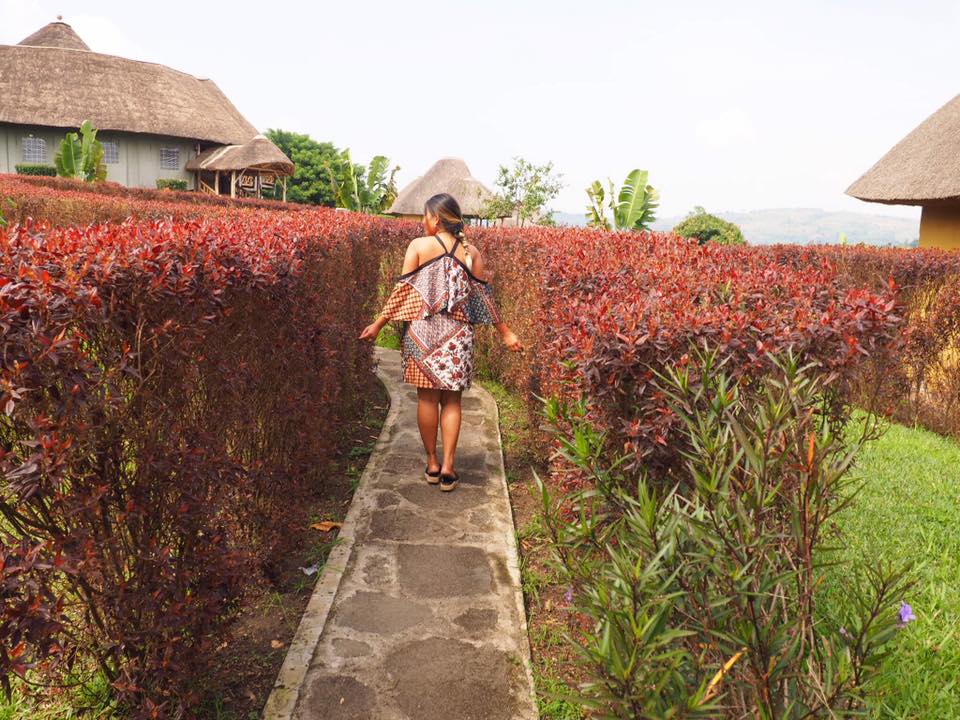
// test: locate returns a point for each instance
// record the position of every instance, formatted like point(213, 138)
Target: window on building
point(170, 158)
point(34, 151)
point(111, 152)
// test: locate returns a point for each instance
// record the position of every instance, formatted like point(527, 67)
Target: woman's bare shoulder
point(421, 242)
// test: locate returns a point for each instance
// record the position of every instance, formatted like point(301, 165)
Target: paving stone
point(349, 648)
point(400, 523)
point(433, 571)
point(442, 679)
point(376, 612)
point(337, 697)
point(476, 620)
point(387, 499)
point(430, 496)
point(377, 570)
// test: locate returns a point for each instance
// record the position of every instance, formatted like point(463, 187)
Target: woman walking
point(442, 292)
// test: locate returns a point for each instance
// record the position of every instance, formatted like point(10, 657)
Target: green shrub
point(706, 588)
point(709, 228)
point(45, 170)
point(171, 184)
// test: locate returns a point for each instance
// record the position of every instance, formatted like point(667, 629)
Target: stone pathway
point(418, 613)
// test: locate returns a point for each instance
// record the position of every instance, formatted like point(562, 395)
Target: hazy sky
point(733, 106)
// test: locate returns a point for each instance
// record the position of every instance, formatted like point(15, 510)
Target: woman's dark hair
point(447, 209)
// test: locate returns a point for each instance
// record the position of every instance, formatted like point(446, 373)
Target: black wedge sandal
point(448, 481)
point(432, 476)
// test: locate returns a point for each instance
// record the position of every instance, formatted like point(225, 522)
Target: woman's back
point(431, 247)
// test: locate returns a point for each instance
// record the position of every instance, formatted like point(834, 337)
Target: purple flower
point(905, 614)
point(568, 595)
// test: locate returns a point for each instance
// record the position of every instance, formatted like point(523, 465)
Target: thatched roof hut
point(158, 123)
point(52, 79)
point(258, 154)
point(922, 168)
point(449, 175)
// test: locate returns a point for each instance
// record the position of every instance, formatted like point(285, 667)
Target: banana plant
point(369, 189)
point(631, 209)
point(596, 211)
point(81, 156)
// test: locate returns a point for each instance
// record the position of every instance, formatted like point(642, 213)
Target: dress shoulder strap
point(437, 237)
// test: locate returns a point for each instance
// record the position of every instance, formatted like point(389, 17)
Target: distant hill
point(803, 226)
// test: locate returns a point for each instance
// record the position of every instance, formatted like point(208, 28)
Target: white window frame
point(170, 158)
point(33, 150)
point(111, 158)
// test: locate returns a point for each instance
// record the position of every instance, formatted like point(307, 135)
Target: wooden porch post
point(216, 183)
point(233, 183)
point(284, 189)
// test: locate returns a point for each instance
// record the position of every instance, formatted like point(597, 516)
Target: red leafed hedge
point(63, 201)
point(625, 307)
point(923, 382)
point(167, 390)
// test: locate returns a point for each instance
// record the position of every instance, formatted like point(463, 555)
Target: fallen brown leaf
point(326, 525)
point(276, 644)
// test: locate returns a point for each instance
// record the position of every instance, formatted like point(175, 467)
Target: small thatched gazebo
point(449, 175)
point(923, 169)
point(249, 168)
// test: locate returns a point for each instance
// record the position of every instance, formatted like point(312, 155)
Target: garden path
point(418, 613)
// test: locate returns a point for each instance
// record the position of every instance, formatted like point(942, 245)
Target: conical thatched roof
point(923, 167)
point(61, 86)
point(449, 175)
point(258, 154)
point(56, 34)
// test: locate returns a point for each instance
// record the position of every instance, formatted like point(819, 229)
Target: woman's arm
point(411, 261)
point(509, 337)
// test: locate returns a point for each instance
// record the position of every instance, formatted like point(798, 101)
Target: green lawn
point(910, 509)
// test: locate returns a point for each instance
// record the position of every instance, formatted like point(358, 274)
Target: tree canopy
point(523, 191)
point(326, 175)
point(709, 228)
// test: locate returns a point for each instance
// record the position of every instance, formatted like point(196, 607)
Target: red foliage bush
point(63, 201)
point(623, 307)
point(167, 389)
point(923, 381)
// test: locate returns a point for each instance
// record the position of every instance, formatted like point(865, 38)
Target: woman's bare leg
point(449, 426)
point(428, 417)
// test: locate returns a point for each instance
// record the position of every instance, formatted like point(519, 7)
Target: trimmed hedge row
point(42, 170)
point(64, 201)
point(923, 381)
point(603, 312)
point(168, 390)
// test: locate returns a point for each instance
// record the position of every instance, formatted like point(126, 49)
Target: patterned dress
point(439, 303)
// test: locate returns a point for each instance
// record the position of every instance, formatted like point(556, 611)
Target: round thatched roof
point(258, 154)
point(923, 167)
point(56, 34)
point(52, 79)
point(449, 175)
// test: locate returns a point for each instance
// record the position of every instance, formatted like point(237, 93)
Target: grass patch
point(909, 508)
point(514, 430)
point(389, 336)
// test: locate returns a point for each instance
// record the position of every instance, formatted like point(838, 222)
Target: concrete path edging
point(418, 613)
